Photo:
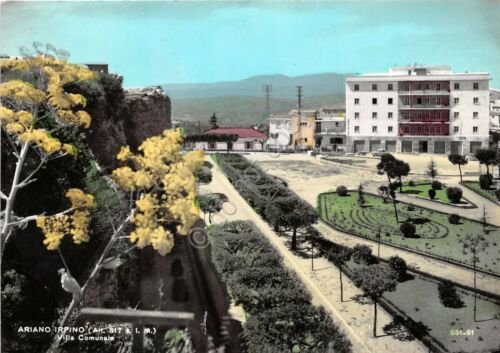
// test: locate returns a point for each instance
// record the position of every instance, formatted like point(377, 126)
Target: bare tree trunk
point(475, 287)
point(375, 318)
point(9, 203)
point(341, 284)
point(460, 170)
point(294, 239)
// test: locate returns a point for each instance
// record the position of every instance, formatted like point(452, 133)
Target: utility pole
point(267, 89)
point(299, 111)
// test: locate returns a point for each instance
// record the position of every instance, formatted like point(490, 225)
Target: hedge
point(280, 316)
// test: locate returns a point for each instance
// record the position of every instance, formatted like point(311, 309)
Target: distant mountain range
point(243, 102)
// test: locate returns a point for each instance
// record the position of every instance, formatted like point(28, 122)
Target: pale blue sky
point(183, 42)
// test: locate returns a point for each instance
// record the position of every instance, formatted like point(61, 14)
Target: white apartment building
point(425, 109)
point(280, 130)
point(330, 129)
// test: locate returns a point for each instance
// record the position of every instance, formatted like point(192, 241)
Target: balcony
point(424, 92)
point(419, 129)
point(403, 106)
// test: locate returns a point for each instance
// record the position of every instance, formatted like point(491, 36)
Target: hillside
point(244, 110)
point(243, 102)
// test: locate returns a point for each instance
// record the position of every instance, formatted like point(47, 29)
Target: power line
point(267, 89)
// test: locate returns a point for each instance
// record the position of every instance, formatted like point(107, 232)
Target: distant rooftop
point(421, 71)
point(241, 132)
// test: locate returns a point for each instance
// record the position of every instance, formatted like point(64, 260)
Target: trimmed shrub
point(448, 295)
point(454, 218)
point(497, 194)
point(408, 229)
point(432, 193)
point(362, 254)
point(341, 190)
point(485, 181)
point(399, 266)
point(454, 194)
point(411, 183)
point(436, 185)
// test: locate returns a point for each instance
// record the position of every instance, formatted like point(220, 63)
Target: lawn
point(419, 299)
point(474, 186)
point(435, 235)
point(422, 190)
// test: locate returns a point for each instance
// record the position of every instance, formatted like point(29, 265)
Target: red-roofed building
point(249, 139)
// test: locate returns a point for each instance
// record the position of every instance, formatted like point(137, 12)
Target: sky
point(160, 42)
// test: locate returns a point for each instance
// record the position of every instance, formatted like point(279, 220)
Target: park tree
point(486, 157)
point(289, 212)
point(29, 106)
point(385, 166)
point(361, 196)
point(210, 204)
point(432, 169)
point(399, 266)
point(458, 159)
point(213, 122)
point(339, 258)
point(383, 192)
point(398, 169)
point(474, 245)
point(374, 281)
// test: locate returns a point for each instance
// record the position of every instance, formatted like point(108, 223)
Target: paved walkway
point(355, 319)
point(492, 209)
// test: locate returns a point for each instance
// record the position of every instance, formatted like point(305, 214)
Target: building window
point(456, 100)
point(419, 86)
point(438, 87)
point(389, 115)
point(211, 146)
point(475, 129)
point(374, 87)
point(336, 124)
point(356, 115)
point(374, 115)
point(419, 100)
point(406, 129)
point(356, 129)
point(356, 100)
point(248, 145)
point(406, 100)
point(390, 87)
point(356, 87)
point(374, 129)
point(455, 129)
point(426, 86)
point(456, 85)
point(389, 101)
point(476, 85)
point(318, 126)
point(438, 129)
point(456, 114)
point(303, 124)
point(305, 139)
point(476, 100)
point(427, 101)
point(374, 100)
point(475, 115)
point(389, 129)
point(419, 128)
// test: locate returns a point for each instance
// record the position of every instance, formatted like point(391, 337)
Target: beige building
point(302, 129)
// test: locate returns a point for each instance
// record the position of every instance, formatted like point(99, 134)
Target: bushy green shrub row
point(268, 196)
point(280, 316)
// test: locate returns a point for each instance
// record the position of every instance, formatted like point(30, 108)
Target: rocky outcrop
point(125, 117)
point(148, 113)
